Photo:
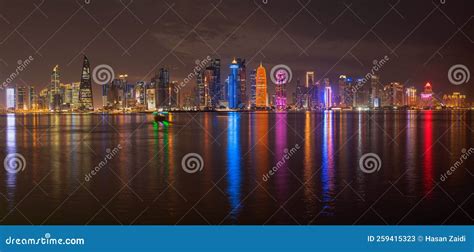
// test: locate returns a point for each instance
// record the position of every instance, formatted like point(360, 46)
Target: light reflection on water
point(320, 184)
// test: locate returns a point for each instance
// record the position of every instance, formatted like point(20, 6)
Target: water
point(320, 181)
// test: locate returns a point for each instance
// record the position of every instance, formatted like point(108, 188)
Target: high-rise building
point(162, 89)
point(234, 87)
point(374, 98)
point(299, 95)
point(21, 98)
point(208, 80)
point(33, 100)
point(85, 93)
point(362, 93)
point(394, 95)
point(411, 97)
point(151, 96)
point(253, 88)
point(342, 91)
point(309, 84)
point(217, 91)
point(280, 89)
point(427, 100)
point(327, 94)
point(242, 83)
point(76, 91)
point(261, 100)
point(11, 98)
point(55, 96)
point(174, 94)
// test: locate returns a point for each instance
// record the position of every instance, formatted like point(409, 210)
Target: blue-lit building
point(233, 88)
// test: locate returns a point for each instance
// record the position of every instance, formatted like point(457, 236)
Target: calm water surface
point(320, 183)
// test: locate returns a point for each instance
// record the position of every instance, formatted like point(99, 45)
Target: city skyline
point(435, 52)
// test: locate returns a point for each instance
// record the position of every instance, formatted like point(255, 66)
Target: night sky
point(423, 39)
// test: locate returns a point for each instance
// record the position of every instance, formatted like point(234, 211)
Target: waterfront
point(320, 183)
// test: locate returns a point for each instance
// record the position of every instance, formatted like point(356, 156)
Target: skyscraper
point(54, 95)
point(21, 98)
point(32, 105)
point(233, 88)
point(308, 90)
point(411, 100)
point(163, 88)
point(327, 94)
point(11, 98)
point(242, 82)
point(85, 92)
point(280, 89)
point(261, 87)
point(253, 88)
point(299, 95)
point(217, 91)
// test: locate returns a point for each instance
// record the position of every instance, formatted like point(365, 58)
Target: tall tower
point(233, 88)
point(308, 90)
point(85, 88)
point(242, 82)
point(162, 89)
point(54, 95)
point(253, 88)
point(261, 87)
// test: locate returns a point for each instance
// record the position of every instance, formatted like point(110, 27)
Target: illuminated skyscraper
point(309, 85)
point(217, 91)
point(261, 87)
point(54, 95)
point(427, 99)
point(253, 88)
point(242, 83)
point(21, 98)
point(374, 98)
point(299, 95)
point(85, 92)
point(162, 89)
point(394, 94)
point(327, 94)
point(32, 105)
point(233, 88)
point(411, 97)
point(281, 77)
point(11, 98)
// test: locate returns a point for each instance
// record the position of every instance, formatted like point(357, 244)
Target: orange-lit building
point(261, 87)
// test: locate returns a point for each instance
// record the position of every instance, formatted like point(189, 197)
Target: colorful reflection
point(428, 153)
point(328, 169)
point(233, 163)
